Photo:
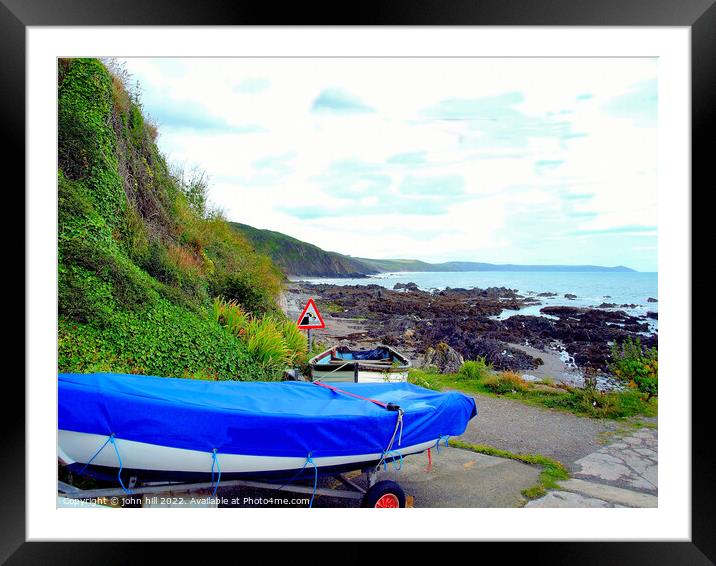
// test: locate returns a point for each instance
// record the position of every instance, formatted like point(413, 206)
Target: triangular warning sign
point(310, 317)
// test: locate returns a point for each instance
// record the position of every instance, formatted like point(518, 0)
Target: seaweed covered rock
point(443, 358)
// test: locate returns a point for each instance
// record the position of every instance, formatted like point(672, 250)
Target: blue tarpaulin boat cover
point(375, 354)
point(257, 418)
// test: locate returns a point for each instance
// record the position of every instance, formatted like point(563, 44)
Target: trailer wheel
point(384, 495)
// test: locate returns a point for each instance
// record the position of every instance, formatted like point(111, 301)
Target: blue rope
point(96, 453)
point(445, 437)
point(215, 460)
point(309, 460)
point(119, 459)
point(396, 466)
point(110, 440)
point(315, 479)
point(296, 475)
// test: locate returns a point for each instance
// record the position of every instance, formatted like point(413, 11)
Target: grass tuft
point(505, 382)
point(476, 370)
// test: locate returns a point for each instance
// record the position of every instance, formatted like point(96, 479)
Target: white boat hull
point(77, 448)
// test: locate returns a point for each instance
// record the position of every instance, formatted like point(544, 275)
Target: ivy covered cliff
point(146, 272)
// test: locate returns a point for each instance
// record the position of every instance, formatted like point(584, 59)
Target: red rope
point(380, 403)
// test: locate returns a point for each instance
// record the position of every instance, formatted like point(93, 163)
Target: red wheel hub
point(387, 501)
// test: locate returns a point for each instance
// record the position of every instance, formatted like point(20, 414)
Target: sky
point(524, 160)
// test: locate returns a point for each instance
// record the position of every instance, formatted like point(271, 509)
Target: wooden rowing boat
point(341, 364)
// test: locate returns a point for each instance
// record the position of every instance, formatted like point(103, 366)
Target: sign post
point(309, 319)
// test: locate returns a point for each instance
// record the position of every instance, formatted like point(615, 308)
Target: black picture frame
point(698, 15)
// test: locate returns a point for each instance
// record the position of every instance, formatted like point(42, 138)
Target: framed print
point(289, 266)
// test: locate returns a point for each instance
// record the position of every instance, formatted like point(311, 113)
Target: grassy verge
point(552, 470)
point(615, 405)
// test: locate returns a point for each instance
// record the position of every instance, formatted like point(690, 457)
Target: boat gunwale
point(313, 362)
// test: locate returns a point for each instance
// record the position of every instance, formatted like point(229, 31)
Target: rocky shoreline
point(413, 320)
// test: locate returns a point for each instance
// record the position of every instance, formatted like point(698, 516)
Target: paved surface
point(460, 478)
point(622, 474)
point(514, 426)
point(457, 478)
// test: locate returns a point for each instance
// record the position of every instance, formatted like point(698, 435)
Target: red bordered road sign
point(310, 317)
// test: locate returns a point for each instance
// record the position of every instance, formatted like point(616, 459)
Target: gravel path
point(517, 427)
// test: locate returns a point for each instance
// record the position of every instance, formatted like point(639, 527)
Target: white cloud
point(597, 174)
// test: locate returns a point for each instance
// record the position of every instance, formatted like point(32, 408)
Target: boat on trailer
point(134, 428)
point(342, 364)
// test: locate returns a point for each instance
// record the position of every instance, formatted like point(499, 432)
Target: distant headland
point(296, 257)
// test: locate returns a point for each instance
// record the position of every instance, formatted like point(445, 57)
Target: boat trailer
point(379, 494)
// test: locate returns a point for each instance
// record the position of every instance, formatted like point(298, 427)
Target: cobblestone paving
point(622, 474)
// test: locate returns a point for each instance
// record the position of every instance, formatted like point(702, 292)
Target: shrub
point(475, 370)
point(230, 315)
point(265, 342)
point(596, 404)
point(295, 341)
point(425, 379)
point(636, 365)
point(244, 289)
point(272, 342)
point(505, 382)
point(164, 340)
point(194, 184)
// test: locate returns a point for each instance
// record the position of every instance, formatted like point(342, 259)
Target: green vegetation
point(583, 402)
point(552, 470)
point(296, 257)
point(614, 405)
point(476, 370)
point(636, 365)
point(505, 382)
point(333, 307)
point(272, 343)
point(141, 256)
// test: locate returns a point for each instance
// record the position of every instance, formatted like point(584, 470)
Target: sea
point(591, 288)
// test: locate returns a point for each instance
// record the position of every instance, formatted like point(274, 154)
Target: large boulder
point(443, 358)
